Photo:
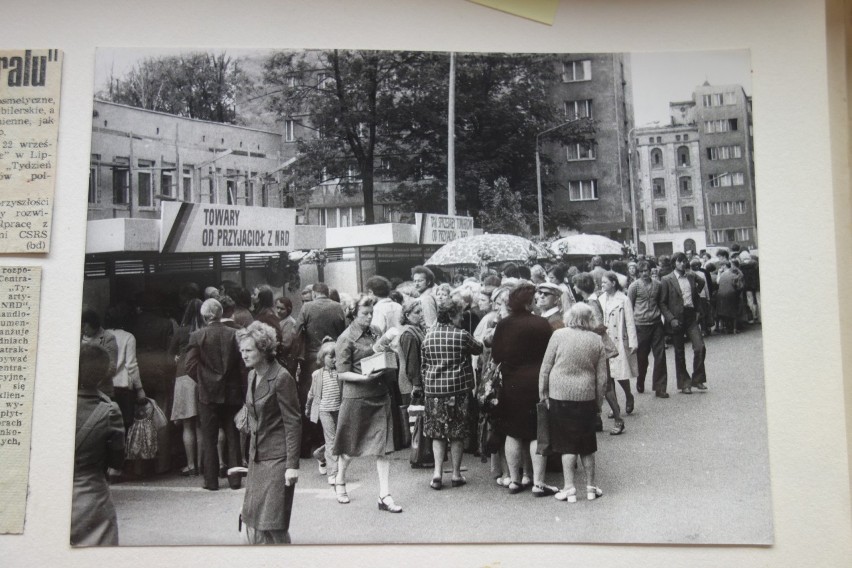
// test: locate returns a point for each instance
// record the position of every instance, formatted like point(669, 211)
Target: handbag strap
point(100, 411)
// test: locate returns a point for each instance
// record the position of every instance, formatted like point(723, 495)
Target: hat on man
point(549, 287)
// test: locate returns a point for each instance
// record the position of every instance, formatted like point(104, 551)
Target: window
point(677, 138)
point(726, 180)
point(659, 139)
point(685, 184)
point(685, 137)
point(578, 109)
point(743, 234)
point(289, 130)
point(121, 181)
point(683, 157)
point(656, 158)
point(250, 188)
point(93, 184)
point(583, 190)
point(581, 151)
point(321, 78)
point(724, 152)
point(651, 140)
point(660, 217)
point(231, 188)
point(187, 184)
point(720, 99)
point(687, 218)
point(145, 187)
point(576, 71)
point(166, 177)
point(659, 188)
point(741, 206)
point(722, 125)
point(292, 81)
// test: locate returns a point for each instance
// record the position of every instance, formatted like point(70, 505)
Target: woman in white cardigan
point(621, 328)
point(572, 383)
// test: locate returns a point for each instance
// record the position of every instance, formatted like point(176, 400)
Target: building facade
point(141, 158)
point(722, 115)
point(593, 179)
point(671, 210)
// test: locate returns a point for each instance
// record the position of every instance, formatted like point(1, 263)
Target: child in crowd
point(323, 405)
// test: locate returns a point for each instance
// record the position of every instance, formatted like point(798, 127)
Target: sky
point(661, 78)
point(658, 78)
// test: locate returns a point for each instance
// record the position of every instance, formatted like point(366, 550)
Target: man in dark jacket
point(212, 360)
point(679, 305)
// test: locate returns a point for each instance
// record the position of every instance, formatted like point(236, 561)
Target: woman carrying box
point(365, 425)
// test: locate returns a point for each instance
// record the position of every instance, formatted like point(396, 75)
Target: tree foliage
point(197, 85)
point(385, 114)
point(502, 210)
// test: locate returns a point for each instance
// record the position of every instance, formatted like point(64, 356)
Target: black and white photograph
point(375, 297)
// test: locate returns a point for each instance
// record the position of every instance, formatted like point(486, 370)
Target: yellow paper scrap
point(543, 11)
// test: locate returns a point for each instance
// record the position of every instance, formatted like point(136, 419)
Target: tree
point(197, 85)
point(501, 209)
point(389, 109)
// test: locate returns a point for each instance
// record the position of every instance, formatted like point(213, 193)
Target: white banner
point(441, 229)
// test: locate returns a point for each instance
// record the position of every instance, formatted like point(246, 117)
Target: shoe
point(526, 481)
point(504, 481)
point(458, 482)
point(342, 495)
point(322, 468)
point(567, 494)
point(544, 490)
point(640, 388)
point(611, 415)
point(386, 504)
point(210, 488)
point(700, 386)
point(617, 429)
point(687, 390)
point(629, 406)
point(515, 488)
point(436, 483)
point(223, 471)
point(332, 479)
point(593, 492)
point(187, 471)
point(662, 395)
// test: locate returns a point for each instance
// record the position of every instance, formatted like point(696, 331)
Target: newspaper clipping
point(19, 300)
point(30, 81)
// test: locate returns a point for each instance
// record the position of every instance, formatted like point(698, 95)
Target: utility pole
point(451, 142)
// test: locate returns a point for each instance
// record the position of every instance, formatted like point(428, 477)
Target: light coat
point(621, 329)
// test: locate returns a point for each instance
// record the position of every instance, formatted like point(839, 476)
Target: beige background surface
point(801, 217)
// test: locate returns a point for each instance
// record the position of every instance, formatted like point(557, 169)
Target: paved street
point(690, 469)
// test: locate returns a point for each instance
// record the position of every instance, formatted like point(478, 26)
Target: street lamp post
point(538, 173)
point(631, 152)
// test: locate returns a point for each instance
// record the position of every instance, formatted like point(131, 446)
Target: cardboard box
point(379, 362)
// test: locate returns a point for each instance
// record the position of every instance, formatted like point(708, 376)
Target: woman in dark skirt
point(275, 427)
point(519, 344)
point(448, 381)
point(365, 424)
point(572, 382)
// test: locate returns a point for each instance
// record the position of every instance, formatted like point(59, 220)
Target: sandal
point(386, 504)
point(526, 481)
point(504, 481)
point(436, 483)
point(544, 490)
point(515, 487)
point(458, 482)
point(593, 492)
point(342, 496)
point(567, 494)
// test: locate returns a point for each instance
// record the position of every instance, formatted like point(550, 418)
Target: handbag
point(241, 420)
point(421, 446)
point(490, 441)
point(542, 429)
point(158, 417)
point(142, 435)
point(489, 389)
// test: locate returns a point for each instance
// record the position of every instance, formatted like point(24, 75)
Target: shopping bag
point(141, 440)
point(404, 427)
point(158, 417)
point(543, 429)
point(421, 446)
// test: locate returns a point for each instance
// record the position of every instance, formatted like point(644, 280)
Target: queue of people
point(255, 391)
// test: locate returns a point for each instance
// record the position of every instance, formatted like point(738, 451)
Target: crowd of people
point(254, 387)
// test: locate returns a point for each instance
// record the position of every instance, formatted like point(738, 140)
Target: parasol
point(488, 249)
point(586, 245)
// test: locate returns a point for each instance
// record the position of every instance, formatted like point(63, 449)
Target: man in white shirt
point(387, 314)
point(424, 283)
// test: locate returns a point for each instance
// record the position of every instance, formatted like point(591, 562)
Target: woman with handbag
point(571, 384)
point(448, 385)
point(275, 432)
point(365, 422)
point(520, 341)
